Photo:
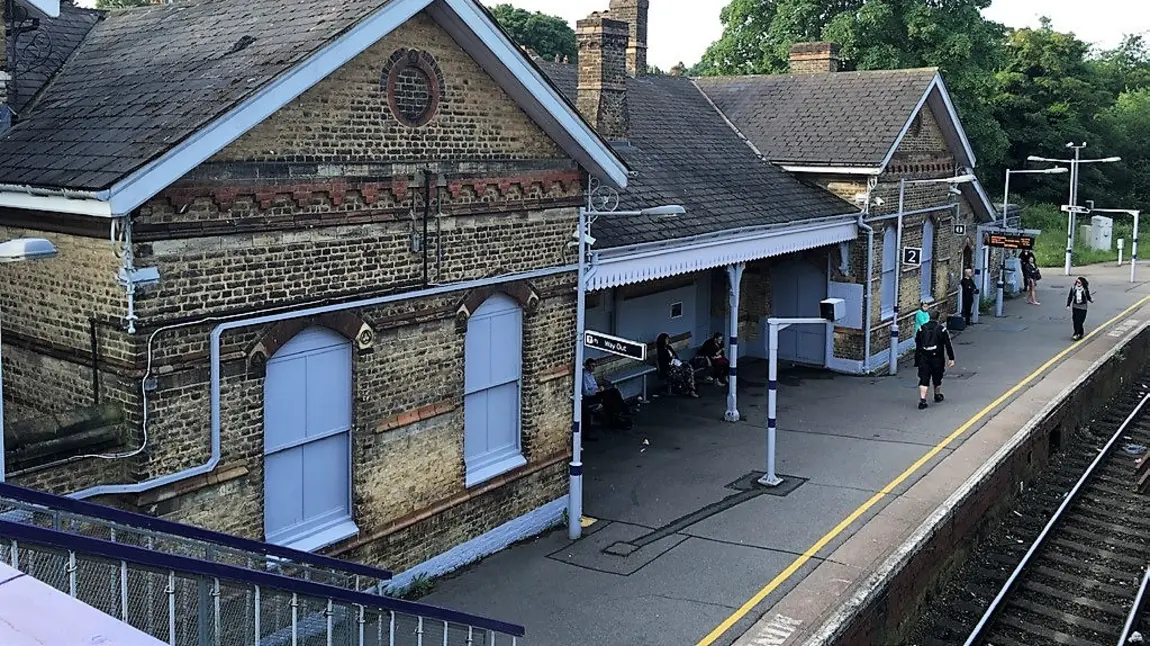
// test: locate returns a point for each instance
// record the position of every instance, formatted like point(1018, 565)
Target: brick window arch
point(413, 84)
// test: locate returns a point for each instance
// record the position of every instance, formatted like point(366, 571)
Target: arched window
point(493, 372)
point(889, 266)
point(927, 269)
point(307, 441)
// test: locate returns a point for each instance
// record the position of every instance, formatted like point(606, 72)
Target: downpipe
point(275, 316)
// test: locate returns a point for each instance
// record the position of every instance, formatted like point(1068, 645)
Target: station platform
point(685, 549)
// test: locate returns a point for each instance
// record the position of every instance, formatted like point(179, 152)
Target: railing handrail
point(1140, 600)
point(84, 508)
point(162, 561)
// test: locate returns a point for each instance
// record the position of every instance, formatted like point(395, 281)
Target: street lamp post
point(18, 250)
point(1005, 204)
point(831, 310)
point(1133, 243)
point(959, 179)
point(1074, 167)
point(583, 240)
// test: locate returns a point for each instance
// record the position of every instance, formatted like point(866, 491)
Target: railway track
point(1070, 569)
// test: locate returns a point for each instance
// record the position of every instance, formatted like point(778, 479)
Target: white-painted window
point(889, 266)
point(493, 365)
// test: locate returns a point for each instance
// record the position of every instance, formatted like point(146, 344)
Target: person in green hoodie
point(921, 317)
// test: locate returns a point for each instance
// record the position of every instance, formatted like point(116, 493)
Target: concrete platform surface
point(685, 550)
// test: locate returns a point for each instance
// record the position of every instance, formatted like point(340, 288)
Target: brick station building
point(315, 282)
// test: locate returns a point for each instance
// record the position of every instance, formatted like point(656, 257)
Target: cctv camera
point(588, 239)
point(954, 190)
point(878, 201)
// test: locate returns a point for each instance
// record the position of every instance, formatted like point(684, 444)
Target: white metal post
point(1073, 203)
point(1134, 250)
point(1121, 245)
point(734, 282)
point(575, 470)
point(1001, 285)
point(897, 278)
point(3, 466)
point(771, 479)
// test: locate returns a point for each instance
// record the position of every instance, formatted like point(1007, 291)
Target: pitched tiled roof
point(145, 79)
point(685, 153)
point(39, 54)
point(833, 119)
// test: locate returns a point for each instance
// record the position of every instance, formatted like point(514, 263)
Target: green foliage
point(1050, 247)
point(875, 34)
point(545, 35)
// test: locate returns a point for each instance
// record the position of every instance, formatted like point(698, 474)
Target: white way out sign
point(615, 345)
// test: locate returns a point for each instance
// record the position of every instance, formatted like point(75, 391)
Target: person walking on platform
point(1077, 301)
point(933, 355)
point(969, 295)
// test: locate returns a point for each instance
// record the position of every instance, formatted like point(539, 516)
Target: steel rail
point(1070, 498)
point(1135, 609)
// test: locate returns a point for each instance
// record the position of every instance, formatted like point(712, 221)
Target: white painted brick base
point(526, 526)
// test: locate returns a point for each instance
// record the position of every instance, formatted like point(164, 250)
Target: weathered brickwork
point(325, 203)
point(923, 154)
point(345, 118)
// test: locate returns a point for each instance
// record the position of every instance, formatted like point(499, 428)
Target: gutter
point(59, 200)
point(833, 170)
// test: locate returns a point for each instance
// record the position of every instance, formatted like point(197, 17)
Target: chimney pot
point(814, 58)
point(602, 87)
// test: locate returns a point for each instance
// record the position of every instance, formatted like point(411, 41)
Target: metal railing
point(39, 509)
point(185, 601)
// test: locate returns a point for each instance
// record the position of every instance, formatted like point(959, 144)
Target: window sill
point(481, 475)
point(342, 530)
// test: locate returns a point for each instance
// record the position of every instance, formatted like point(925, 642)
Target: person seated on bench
point(711, 355)
point(614, 406)
point(678, 375)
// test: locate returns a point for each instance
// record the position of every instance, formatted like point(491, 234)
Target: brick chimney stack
point(814, 58)
point(602, 89)
point(634, 13)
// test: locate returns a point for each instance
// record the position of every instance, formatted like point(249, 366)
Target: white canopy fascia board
point(462, 19)
point(639, 266)
point(50, 8)
point(92, 204)
point(505, 63)
point(832, 170)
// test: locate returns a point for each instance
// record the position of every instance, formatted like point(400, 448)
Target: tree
point(547, 36)
point(121, 4)
point(1048, 95)
point(875, 34)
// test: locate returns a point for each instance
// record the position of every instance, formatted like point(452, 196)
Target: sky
point(675, 34)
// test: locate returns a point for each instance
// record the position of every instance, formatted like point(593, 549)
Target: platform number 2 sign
point(912, 256)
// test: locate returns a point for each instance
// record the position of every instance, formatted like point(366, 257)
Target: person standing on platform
point(921, 316)
point(933, 355)
point(1077, 301)
point(969, 295)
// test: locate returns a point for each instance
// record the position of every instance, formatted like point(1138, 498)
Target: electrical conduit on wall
point(274, 316)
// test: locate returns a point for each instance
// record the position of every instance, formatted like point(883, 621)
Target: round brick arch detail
point(413, 85)
point(345, 323)
point(521, 291)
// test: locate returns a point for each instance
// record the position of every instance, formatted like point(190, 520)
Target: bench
point(632, 371)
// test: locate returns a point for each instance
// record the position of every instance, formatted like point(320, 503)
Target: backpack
point(932, 337)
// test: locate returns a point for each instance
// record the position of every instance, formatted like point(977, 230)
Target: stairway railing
point(40, 509)
point(187, 601)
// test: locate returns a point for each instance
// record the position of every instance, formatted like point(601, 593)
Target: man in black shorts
point(930, 344)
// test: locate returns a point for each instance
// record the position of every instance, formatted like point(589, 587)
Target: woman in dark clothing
point(678, 375)
point(1076, 302)
point(711, 354)
point(1030, 275)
